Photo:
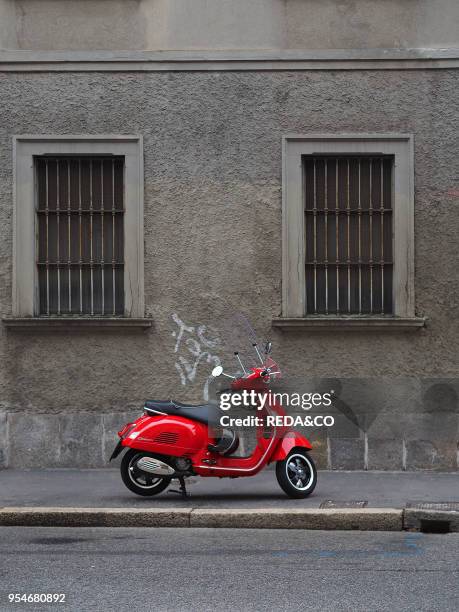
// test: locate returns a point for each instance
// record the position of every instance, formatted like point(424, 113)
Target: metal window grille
point(348, 234)
point(80, 235)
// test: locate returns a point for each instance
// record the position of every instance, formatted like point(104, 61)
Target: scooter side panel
point(168, 435)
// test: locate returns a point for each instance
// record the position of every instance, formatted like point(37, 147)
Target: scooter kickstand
point(183, 492)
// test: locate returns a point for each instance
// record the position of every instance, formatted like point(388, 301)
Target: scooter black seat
point(203, 413)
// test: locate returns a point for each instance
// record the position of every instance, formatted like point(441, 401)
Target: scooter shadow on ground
point(167, 498)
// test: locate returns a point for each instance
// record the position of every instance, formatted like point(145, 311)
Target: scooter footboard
point(287, 444)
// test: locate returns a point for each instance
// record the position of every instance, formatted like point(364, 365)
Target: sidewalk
point(104, 488)
point(215, 502)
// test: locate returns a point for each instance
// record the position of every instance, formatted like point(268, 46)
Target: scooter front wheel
point(297, 474)
point(138, 481)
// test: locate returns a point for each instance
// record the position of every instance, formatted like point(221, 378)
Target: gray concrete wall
point(380, 424)
point(227, 24)
point(80, 24)
point(8, 36)
point(212, 145)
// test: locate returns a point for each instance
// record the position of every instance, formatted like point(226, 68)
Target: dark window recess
point(348, 235)
point(80, 212)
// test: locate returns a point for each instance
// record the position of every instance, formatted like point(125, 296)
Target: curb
point(386, 519)
point(365, 519)
point(94, 517)
point(362, 519)
point(434, 521)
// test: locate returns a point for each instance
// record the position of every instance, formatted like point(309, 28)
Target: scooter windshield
point(241, 348)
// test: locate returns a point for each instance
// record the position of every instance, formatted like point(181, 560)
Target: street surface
point(174, 570)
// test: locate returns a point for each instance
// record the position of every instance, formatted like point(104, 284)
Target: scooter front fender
point(290, 441)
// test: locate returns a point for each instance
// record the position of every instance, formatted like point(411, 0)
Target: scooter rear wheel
point(138, 481)
point(297, 474)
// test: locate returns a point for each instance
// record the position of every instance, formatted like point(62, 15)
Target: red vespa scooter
point(173, 441)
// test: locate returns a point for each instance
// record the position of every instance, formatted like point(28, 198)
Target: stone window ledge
point(356, 323)
point(76, 323)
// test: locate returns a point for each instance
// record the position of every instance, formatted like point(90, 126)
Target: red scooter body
point(166, 435)
point(170, 436)
point(179, 437)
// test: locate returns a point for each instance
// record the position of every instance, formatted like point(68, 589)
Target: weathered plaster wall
point(228, 24)
point(212, 216)
point(79, 24)
point(343, 24)
point(8, 38)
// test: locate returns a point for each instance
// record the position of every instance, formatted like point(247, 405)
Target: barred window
point(80, 235)
point(348, 234)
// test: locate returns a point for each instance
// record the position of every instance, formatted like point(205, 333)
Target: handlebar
point(256, 373)
point(267, 372)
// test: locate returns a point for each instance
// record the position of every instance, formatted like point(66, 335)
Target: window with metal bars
point(348, 234)
point(80, 235)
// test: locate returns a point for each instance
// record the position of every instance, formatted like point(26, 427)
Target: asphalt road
point(208, 569)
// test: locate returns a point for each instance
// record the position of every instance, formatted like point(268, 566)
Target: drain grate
point(351, 503)
point(428, 526)
point(440, 506)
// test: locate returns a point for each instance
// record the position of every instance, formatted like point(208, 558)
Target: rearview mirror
point(217, 371)
point(268, 348)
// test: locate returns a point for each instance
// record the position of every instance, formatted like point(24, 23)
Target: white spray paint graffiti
point(199, 348)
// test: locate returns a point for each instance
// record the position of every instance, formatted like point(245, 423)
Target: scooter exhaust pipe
point(155, 466)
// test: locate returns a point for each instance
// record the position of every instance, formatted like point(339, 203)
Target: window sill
point(355, 323)
point(75, 323)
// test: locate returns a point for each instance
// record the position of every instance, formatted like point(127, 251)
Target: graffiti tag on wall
point(194, 346)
